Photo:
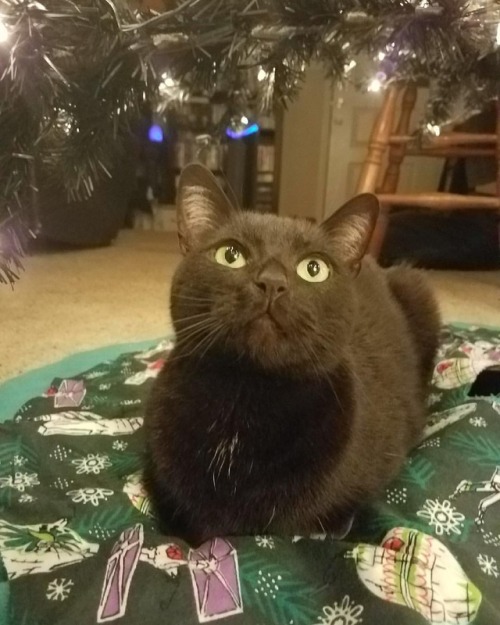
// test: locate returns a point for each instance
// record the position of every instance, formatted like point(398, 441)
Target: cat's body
point(293, 401)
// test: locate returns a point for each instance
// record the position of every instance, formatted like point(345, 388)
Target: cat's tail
point(413, 293)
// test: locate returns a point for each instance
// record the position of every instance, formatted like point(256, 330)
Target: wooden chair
point(398, 143)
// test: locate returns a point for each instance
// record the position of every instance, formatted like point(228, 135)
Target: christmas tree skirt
point(78, 542)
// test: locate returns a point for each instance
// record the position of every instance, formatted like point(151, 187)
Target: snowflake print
point(61, 483)
point(443, 517)
point(396, 495)
point(59, 589)
point(101, 533)
point(434, 398)
point(267, 542)
point(120, 445)
point(491, 539)
point(267, 585)
point(478, 422)
point(347, 613)
point(90, 495)
point(20, 481)
point(60, 453)
point(25, 498)
point(19, 461)
point(92, 463)
point(432, 442)
point(488, 565)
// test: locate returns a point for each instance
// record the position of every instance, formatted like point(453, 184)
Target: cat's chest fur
point(240, 428)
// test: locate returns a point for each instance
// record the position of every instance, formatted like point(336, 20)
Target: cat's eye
point(313, 269)
point(230, 255)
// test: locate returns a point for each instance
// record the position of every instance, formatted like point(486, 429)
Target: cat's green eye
point(313, 269)
point(230, 255)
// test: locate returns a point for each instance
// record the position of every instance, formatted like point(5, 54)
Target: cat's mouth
point(267, 322)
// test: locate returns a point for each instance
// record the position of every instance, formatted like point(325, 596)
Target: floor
point(73, 301)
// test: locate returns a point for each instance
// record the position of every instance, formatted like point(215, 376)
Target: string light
point(381, 56)
point(434, 129)
point(375, 85)
point(349, 66)
point(262, 75)
point(4, 33)
point(498, 34)
point(168, 81)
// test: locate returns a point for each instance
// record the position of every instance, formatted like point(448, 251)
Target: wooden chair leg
point(370, 174)
point(498, 153)
point(379, 142)
point(397, 152)
point(498, 145)
point(378, 237)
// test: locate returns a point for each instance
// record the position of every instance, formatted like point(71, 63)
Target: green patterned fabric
point(78, 542)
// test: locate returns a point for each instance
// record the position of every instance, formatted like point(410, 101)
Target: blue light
point(156, 134)
point(238, 134)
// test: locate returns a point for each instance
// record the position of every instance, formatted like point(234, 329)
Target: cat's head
point(274, 289)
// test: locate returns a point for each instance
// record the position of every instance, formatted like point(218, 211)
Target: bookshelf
point(249, 164)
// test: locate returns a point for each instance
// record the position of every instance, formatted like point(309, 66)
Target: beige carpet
point(73, 301)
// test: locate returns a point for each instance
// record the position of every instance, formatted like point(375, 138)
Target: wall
point(304, 149)
point(325, 141)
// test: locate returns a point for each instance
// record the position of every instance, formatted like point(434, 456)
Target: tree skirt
point(78, 542)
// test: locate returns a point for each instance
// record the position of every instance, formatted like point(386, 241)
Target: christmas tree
point(75, 75)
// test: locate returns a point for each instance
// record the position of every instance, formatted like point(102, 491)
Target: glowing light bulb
point(348, 66)
point(262, 75)
point(168, 81)
point(375, 85)
point(434, 129)
point(244, 119)
point(4, 33)
point(381, 56)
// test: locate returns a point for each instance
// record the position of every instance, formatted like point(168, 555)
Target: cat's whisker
point(190, 297)
point(321, 375)
point(207, 321)
point(361, 390)
point(214, 335)
point(185, 339)
point(313, 360)
point(214, 329)
point(183, 328)
point(197, 316)
point(271, 519)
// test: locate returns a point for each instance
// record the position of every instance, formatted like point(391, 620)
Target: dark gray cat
point(297, 383)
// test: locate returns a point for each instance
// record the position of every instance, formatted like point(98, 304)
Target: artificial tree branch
point(75, 76)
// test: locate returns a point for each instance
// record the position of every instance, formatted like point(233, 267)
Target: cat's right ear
point(202, 206)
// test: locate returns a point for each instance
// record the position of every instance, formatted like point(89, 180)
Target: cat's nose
point(272, 281)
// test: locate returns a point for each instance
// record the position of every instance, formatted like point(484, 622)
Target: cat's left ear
point(202, 206)
point(351, 228)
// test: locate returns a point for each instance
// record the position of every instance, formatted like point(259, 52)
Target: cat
point(297, 383)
